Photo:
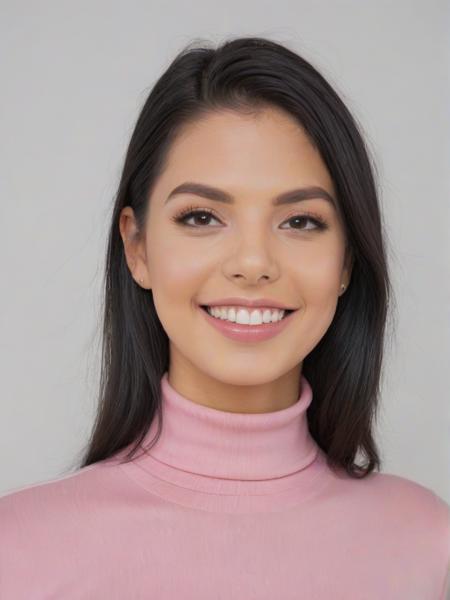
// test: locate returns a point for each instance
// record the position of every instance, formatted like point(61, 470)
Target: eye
point(319, 223)
point(204, 216)
point(190, 213)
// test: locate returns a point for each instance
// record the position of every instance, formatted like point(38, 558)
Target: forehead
point(267, 150)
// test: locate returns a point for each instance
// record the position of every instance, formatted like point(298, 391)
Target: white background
point(74, 76)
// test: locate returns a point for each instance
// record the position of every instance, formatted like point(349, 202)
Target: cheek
point(318, 276)
point(176, 271)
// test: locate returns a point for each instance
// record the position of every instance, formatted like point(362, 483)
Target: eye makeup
point(189, 212)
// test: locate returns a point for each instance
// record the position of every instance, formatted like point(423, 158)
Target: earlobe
point(136, 266)
point(132, 245)
point(346, 275)
point(349, 260)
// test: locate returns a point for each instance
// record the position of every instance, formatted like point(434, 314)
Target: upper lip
point(259, 302)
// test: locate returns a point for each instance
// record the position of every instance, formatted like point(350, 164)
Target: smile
point(248, 325)
point(247, 316)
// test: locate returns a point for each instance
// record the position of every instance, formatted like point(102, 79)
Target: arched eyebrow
point(218, 195)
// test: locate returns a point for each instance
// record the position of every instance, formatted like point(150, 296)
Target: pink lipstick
point(248, 333)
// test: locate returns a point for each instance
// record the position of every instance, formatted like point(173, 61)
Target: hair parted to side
point(344, 369)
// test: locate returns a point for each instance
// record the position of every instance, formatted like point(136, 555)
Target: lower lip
point(248, 333)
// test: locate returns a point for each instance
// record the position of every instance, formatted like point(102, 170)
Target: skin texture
point(249, 249)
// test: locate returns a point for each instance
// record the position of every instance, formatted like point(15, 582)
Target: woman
point(246, 297)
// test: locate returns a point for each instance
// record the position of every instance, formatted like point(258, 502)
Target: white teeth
point(237, 314)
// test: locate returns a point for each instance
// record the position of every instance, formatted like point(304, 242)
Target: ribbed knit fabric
point(224, 506)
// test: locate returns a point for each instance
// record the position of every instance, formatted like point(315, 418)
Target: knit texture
point(224, 506)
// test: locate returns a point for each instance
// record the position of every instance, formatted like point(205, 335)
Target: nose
point(251, 262)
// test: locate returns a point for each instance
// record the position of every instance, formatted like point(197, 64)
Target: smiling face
point(246, 247)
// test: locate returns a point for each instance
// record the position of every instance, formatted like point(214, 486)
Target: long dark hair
point(344, 369)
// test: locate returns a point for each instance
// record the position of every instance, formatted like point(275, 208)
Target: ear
point(348, 266)
point(134, 247)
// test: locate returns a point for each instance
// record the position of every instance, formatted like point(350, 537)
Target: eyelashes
point(185, 214)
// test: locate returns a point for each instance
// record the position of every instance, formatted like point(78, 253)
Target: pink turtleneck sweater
point(226, 506)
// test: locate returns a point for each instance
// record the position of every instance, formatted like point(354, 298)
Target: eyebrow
point(218, 195)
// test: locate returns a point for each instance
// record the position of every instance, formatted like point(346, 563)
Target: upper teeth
point(238, 314)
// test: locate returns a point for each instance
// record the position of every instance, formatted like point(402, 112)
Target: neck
point(236, 397)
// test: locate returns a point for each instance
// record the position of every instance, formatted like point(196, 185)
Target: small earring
point(342, 288)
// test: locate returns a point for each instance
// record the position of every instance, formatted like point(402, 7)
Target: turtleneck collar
point(220, 461)
point(227, 445)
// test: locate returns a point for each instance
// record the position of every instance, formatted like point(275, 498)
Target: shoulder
point(31, 490)
point(406, 501)
point(409, 520)
point(48, 527)
point(405, 513)
point(393, 493)
point(431, 510)
point(395, 505)
point(33, 497)
point(414, 499)
point(421, 518)
point(59, 502)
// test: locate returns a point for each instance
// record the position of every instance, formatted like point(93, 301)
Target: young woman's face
point(247, 247)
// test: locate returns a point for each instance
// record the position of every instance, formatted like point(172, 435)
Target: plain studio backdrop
point(74, 76)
